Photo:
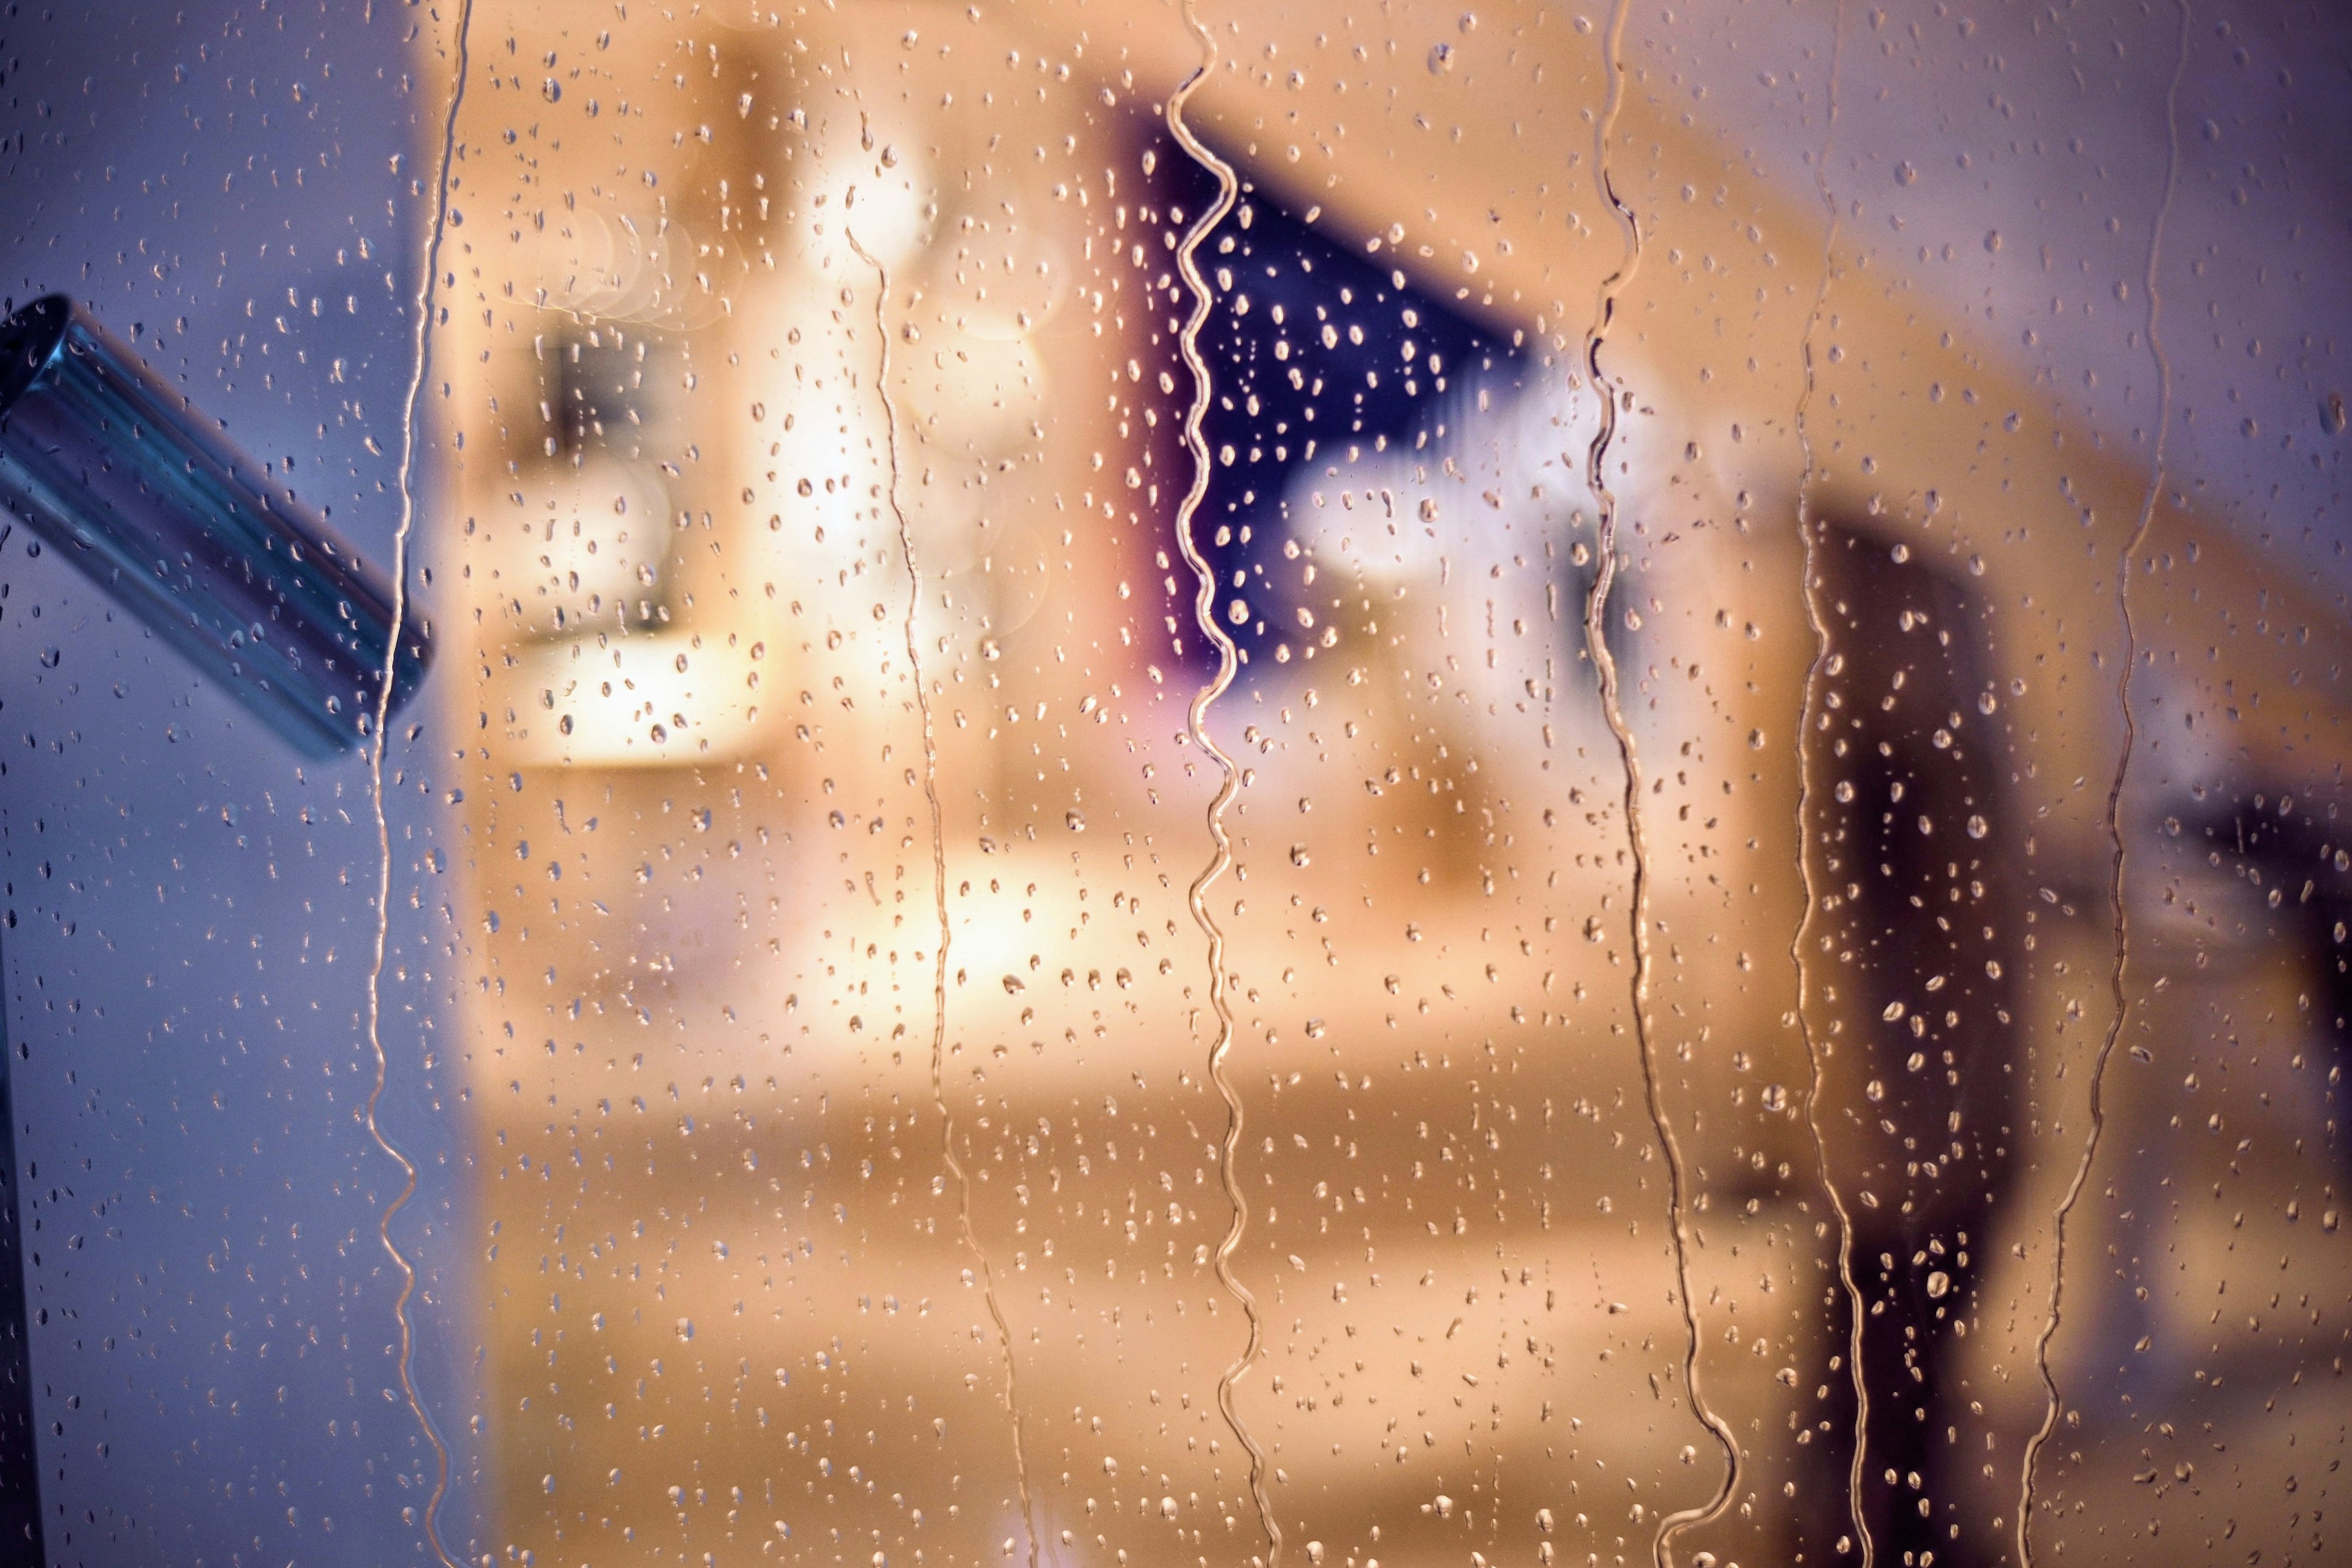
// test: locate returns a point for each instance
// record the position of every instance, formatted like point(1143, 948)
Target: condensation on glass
point(1222, 786)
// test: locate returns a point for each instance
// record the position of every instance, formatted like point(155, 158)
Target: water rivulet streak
point(2115, 802)
point(1596, 626)
point(1814, 1049)
point(940, 899)
point(426, 291)
point(1204, 610)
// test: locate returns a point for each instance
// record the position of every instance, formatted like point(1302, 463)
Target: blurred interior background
point(791, 997)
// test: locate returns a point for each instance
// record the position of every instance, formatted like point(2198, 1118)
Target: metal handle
point(151, 499)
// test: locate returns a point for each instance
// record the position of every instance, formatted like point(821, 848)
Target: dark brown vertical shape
point(1915, 961)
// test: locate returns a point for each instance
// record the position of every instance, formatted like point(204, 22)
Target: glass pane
point(1173, 785)
point(192, 885)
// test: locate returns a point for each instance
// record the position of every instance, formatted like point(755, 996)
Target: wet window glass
point(1062, 784)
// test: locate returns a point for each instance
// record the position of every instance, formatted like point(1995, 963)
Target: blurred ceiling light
point(664, 699)
point(979, 393)
point(591, 547)
point(1014, 293)
point(883, 195)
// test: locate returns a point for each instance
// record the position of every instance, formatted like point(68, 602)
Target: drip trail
point(1012, 1393)
point(1596, 620)
point(1814, 1047)
point(425, 291)
point(2050, 1401)
point(1204, 605)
